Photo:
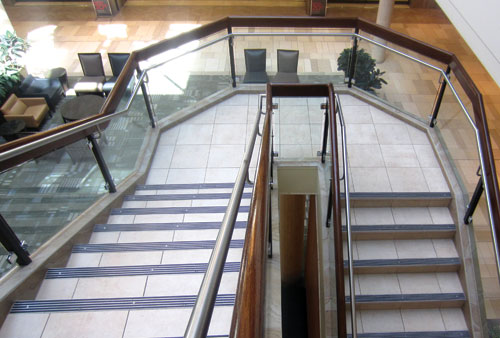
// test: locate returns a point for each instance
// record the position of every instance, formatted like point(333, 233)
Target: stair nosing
point(182, 197)
point(404, 262)
point(414, 297)
point(174, 210)
point(163, 226)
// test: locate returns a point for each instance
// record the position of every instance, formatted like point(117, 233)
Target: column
point(384, 19)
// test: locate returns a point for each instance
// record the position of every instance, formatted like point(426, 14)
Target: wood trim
point(248, 314)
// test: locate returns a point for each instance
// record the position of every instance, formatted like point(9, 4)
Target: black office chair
point(255, 62)
point(117, 62)
point(288, 61)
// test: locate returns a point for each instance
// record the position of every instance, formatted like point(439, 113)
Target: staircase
point(140, 273)
point(406, 266)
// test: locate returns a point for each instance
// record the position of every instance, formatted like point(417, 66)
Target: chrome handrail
point(202, 311)
point(352, 290)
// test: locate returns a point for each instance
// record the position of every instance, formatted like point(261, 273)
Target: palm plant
point(12, 50)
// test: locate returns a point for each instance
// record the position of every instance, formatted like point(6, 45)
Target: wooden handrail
point(248, 313)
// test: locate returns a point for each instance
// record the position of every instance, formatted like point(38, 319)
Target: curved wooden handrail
point(248, 314)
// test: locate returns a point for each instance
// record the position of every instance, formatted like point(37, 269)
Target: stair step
point(397, 301)
point(129, 303)
point(180, 197)
point(151, 246)
point(405, 265)
point(164, 226)
point(399, 199)
point(174, 210)
point(137, 270)
point(188, 186)
point(401, 231)
point(420, 334)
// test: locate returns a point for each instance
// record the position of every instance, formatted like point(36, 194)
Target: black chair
point(288, 61)
point(93, 71)
point(255, 62)
point(50, 89)
point(117, 62)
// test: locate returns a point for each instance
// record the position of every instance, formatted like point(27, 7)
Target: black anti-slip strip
point(151, 246)
point(398, 195)
point(136, 270)
point(164, 226)
point(174, 210)
point(422, 334)
point(455, 261)
point(96, 304)
point(188, 186)
point(182, 197)
point(402, 227)
point(424, 297)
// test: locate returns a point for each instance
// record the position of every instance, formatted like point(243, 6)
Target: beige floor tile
point(168, 204)
point(184, 176)
point(231, 114)
point(445, 248)
point(195, 134)
point(412, 283)
point(317, 135)
point(454, 319)
point(381, 321)
point(225, 134)
point(426, 156)
point(134, 204)
point(206, 117)
point(145, 236)
point(120, 219)
point(357, 114)
point(394, 134)
point(295, 134)
point(163, 157)
point(399, 156)
point(376, 250)
point(417, 136)
point(441, 215)
point(190, 156)
point(361, 134)
point(407, 180)
point(422, 248)
point(449, 282)
point(370, 180)
point(131, 258)
point(228, 156)
point(59, 288)
point(365, 156)
point(293, 115)
point(295, 151)
point(412, 215)
point(104, 237)
point(77, 260)
point(381, 117)
point(86, 324)
point(413, 320)
point(435, 180)
point(378, 284)
point(157, 176)
point(15, 325)
point(110, 287)
point(158, 218)
point(221, 175)
point(373, 216)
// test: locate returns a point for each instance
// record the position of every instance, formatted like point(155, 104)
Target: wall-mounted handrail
point(352, 289)
point(248, 313)
point(203, 308)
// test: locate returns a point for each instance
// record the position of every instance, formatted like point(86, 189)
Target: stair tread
point(187, 186)
point(416, 334)
point(163, 226)
point(420, 297)
point(175, 197)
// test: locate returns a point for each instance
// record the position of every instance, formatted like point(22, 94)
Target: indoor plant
point(366, 75)
point(12, 50)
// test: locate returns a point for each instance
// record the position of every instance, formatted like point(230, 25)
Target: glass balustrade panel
point(40, 197)
point(317, 57)
point(400, 82)
point(185, 81)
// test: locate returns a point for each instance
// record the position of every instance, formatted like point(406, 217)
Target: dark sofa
point(50, 89)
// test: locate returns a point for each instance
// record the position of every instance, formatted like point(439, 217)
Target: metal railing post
point(231, 56)
point(147, 99)
point(325, 132)
point(352, 60)
point(476, 196)
point(439, 99)
point(96, 150)
point(12, 244)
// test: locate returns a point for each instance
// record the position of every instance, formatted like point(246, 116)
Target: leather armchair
point(50, 89)
point(31, 110)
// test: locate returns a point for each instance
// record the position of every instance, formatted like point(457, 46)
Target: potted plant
point(366, 75)
point(12, 50)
